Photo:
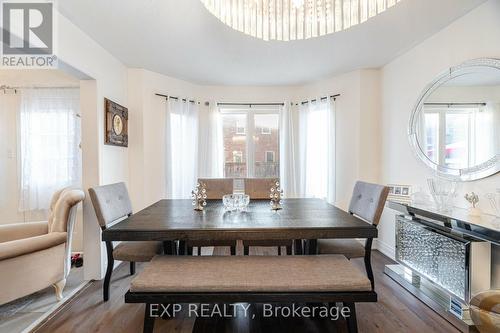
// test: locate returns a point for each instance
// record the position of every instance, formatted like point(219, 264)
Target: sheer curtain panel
point(181, 147)
point(289, 150)
point(49, 137)
point(211, 146)
point(308, 149)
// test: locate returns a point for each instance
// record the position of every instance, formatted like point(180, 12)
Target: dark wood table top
point(299, 219)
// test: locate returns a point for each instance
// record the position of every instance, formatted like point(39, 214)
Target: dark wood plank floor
point(396, 311)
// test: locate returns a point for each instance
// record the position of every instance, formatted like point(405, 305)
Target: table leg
point(311, 246)
point(182, 248)
point(169, 247)
point(298, 247)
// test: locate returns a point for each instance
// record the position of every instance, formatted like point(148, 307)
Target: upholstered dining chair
point(111, 204)
point(216, 188)
point(260, 189)
point(36, 255)
point(485, 311)
point(367, 202)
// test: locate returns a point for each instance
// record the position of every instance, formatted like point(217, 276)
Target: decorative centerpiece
point(235, 201)
point(473, 199)
point(276, 194)
point(199, 196)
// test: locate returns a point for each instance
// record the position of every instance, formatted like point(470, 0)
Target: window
point(49, 145)
point(269, 156)
point(237, 157)
point(452, 136)
point(251, 142)
point(240, 129)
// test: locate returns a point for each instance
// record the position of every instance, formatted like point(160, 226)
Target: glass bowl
point(235, 201)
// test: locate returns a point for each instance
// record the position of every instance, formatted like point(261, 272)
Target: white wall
point(475, 35)
point(101, 164)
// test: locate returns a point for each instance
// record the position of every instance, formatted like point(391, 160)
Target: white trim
point(384, 248)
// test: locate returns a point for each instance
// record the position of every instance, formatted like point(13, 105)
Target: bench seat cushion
point(329, 273)
point(137, 251)
point(351, 248)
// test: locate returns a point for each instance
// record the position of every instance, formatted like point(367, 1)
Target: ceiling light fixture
point(286, 20)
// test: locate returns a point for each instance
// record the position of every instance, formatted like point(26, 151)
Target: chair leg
point(132, 268)
point(352, 324)
point(109, 271)
point(368, 262)
point(149, 322)
point(246, 250)
point(59, 287)
point(182, 248)
point(233, 250)
point(297, 245)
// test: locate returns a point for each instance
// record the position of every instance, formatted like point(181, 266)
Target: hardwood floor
point(396, 311)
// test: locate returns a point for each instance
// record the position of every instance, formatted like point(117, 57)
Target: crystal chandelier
point(286, 20)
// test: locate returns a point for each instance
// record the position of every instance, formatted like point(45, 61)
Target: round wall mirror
point(455, 126)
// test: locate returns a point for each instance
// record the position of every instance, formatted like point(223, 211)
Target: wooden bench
point(251, 279)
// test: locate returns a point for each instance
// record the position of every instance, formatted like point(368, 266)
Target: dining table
point(308, 219)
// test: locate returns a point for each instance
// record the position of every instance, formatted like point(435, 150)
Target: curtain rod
point(177, 98)
point(321, 99)
point(4, 88)
point(248, 104)
point(251, 104)
point(453, 104)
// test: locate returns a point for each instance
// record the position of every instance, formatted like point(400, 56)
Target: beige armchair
point(36, 255)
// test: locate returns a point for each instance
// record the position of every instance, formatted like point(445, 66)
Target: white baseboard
point(384, 248)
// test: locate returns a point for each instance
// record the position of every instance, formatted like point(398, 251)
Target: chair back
point(111, 202)
point(259, 188)
point(368, 201)
point(217, 187)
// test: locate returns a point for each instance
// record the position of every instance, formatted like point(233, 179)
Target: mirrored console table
point(443, 258)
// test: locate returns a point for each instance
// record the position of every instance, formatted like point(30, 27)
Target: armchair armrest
point(11, 232)
point(24, 246)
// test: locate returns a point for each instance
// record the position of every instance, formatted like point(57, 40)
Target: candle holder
point(199, 196)
point(473, 199)
point(276, 194)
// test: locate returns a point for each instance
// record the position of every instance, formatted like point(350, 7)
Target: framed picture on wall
point(115, 124)
point(399, 193)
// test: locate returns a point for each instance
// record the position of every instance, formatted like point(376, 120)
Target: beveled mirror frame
point(480, 171)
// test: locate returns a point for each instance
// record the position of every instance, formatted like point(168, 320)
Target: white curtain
point(485, 143)
point(211, 148)
point(181, 147)
point(289, 150)
point(49, 137)
point(308, 149)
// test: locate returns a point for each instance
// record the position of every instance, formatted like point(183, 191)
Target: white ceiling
point(180, 38)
